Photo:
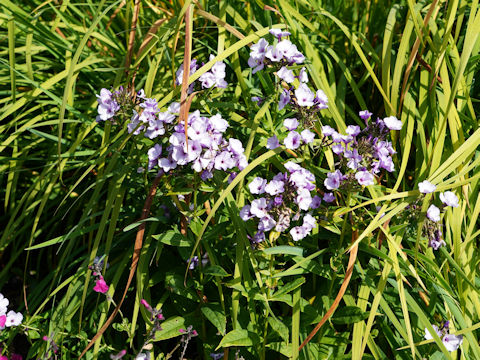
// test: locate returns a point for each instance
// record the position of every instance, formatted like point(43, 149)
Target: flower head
point(426, 187)
point(449, 199)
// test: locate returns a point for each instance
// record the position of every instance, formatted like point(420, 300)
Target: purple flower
point(258, 50)
point(293, 140)
point(304, 199)
point(449, 199)
point(333, 180)
point(153, 155)
point(353, 130)
point(309, 222)
point(259, 207)
point(224, 161)
point(307, 136)
point(393, 123)
point(216, 356)
point(275, 187)
point(292, 167)
point(436, 242)
point(257, 186)
point(327, 130)
point(429, 336)
point(426, 187)
point(256, 64)
point(365, 114)
point(433, 213)
point(273, 53)
point(298, 233)
point(364, 178)
point(316, 202)
point(354, 159)
point(452, 342)
point(328, 197)
point(107, 106)
point(279, 33)
point(303, 77)
point(266, 223)
point(167, 164)
point(321, 100)
point(286, 74)
point(290, 123)
point(257, 99)
point(337, 149)
point(272, 143)
point(284, 99)
point(245, 213)
point(304, 95)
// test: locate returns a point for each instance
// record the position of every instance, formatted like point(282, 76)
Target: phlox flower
point(284, 99)
point(333, 180)
point(433, 213)
point(426, 187)
point(257, 186)
point(278, 33)
point(290, 123)
point(3, 304)
point(393, 123)
point(449, 199)
point(328, 197)
point(293, 140)
point(303, 76)
point(304, 95)
point(298, 233)
point(307, 136)
point(286, 74)
point(13, 318)
point(272, 143)
point(364, 178)
point(365, 114)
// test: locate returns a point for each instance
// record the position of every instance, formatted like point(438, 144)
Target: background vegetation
point(70, 190)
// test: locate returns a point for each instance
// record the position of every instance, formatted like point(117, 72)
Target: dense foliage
point(308, 188)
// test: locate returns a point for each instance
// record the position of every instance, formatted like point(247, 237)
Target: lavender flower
point(426, 187)
point(279, 33)
point(272, 143)
point(284, 99)
point(393, 123)
point(257, 186)
point(290, 124)
point(307, 136)
point(333, 180)
point(449, 199)
point(365, 114)
point(433, 213)
point(364, 178)
point(107, 105)
point(293, 140)
point(286, 74)
point(304, 95)
point(328, 197)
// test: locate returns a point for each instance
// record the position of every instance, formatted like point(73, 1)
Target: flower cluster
point(97, 268)
point(155, 317)
point(52, 347)
point(10, 318)
point(362, 153)
point(286, 198)
point(304, 102)
point(451, 342)
point(195, 261)
point(213, 78)
point(107, 105)
point(283, 53)
point(204, 147)
point(432, 227)
point(188, 334)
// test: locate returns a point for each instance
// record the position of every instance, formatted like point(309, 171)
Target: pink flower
point(100, 285)
point(3, 320)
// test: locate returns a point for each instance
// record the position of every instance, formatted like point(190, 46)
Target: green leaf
point(239, 337)
point(284, 250)
point(216, 270)
point(173, 238)
point(215, 314)
point(170, 328)
point(279, 327)
point(349, 315)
